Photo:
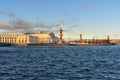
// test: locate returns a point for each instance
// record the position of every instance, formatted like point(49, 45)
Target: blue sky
point(90, 17)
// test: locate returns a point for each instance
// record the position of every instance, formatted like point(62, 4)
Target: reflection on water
point(60, 63)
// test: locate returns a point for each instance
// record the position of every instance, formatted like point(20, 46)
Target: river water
point(60, 63)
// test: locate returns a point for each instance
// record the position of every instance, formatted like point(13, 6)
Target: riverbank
point(54, 44)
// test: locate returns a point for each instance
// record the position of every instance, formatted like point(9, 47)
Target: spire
point(108, 39)
point(93, 39)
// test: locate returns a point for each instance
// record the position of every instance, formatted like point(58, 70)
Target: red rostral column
point(60, 40)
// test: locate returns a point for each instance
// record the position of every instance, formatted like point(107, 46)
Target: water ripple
point(60, 63)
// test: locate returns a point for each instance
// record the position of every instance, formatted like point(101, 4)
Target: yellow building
point(41, 37)
point(14, 39)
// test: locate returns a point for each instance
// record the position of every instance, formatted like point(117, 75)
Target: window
point(19, 41)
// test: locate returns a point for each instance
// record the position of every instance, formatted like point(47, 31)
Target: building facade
point(44, 37)
point(41, 37)
point(14, 39)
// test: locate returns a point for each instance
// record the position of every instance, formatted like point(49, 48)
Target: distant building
point(81, 38)
point(41, 37)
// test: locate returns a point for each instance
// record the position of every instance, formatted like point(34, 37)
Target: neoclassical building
point(14, 39)
point(41, 37)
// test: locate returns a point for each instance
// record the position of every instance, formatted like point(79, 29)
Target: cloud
point(19, 25)
point(4, 24)
point(1, 12)
point(22, 26)
point(74, 26)
point(15, 24)
point(10, 14)
point(85, 7)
